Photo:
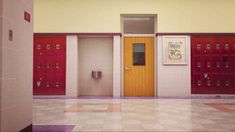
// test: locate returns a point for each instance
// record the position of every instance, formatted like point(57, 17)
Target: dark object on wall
point(96, 74)
point(27, 16)
point(10, 35)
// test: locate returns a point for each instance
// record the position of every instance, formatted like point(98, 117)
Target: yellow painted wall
point(104, 15)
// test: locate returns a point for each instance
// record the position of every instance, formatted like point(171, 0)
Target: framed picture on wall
point(174, 50)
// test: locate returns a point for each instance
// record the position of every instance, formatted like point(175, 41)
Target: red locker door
point(227, 64)
point(217, 64)
point(233, 82)
point(39, 64)
point(49, 65)
point(226, 45)
point(218, 45)
point(49, 46)
point(218, 57)
point(207, 45)
point(60, 69)
point(207, 82)
point(232, 64)
point(207, 64)
point(233, 47)
point(197, 83)
point(39, 48)
point(59, 64)
point(39, 82)
point(197, 64)
point(208, 48)
point(218, 81)
point(60, 83)
point(60, 48)
point(196, 45)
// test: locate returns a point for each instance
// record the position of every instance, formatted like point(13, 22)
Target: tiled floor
point(135, 114)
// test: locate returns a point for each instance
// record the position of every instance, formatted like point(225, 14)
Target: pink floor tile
point(107, 107)
point(224, 107)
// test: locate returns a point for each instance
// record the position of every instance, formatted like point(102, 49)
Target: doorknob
point(127, 68)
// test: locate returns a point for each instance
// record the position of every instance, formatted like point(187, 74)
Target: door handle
point(127, 68)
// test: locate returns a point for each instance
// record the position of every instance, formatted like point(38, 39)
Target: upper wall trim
point(120, 34)
point(81, 34)
point(204, 33)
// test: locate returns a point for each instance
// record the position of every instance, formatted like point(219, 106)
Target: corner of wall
point(71, 65)
point(117, 66)
point(16, 59)
point(0, 63)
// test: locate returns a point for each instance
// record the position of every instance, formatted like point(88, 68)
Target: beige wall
point(16, 66)
point(104, 15)
point(95, 53)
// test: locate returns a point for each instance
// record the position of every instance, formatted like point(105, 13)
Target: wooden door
point(139, 66)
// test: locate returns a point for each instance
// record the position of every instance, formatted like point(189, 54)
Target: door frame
point(139, 35)
point(155, 61)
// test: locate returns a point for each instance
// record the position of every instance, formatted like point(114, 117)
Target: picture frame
point(174, 50)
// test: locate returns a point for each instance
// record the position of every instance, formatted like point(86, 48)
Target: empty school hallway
point(117, 65)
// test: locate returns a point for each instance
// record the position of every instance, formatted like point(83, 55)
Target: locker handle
point(206, 75)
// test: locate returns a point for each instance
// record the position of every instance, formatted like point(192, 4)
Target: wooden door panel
point(138, 78)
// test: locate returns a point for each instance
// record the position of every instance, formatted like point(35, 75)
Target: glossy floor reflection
point(137, 114)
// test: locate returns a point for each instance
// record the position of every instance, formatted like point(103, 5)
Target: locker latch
point(218, 46)
point(199, 83)
point(226, 46)
point(198, 64)
point(208, 83)
point(218, 83)
point(38, 83)
point(226, 83)
point(217, 64)
point(39, 46)
point(208, 46)
point(208, 64)
point(206, 75)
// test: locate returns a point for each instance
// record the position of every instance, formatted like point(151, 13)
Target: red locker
point(39, 49)
point(59, 48)
point(207, 64)
point(216, 53)
point(217, 64)
point(49, 46)
point(197, 47)
point(233, 47)
point(49, 65)
point(207, 45)
point(227, 45)
point(197, 64)
point(39, 81)
point(197, 81)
